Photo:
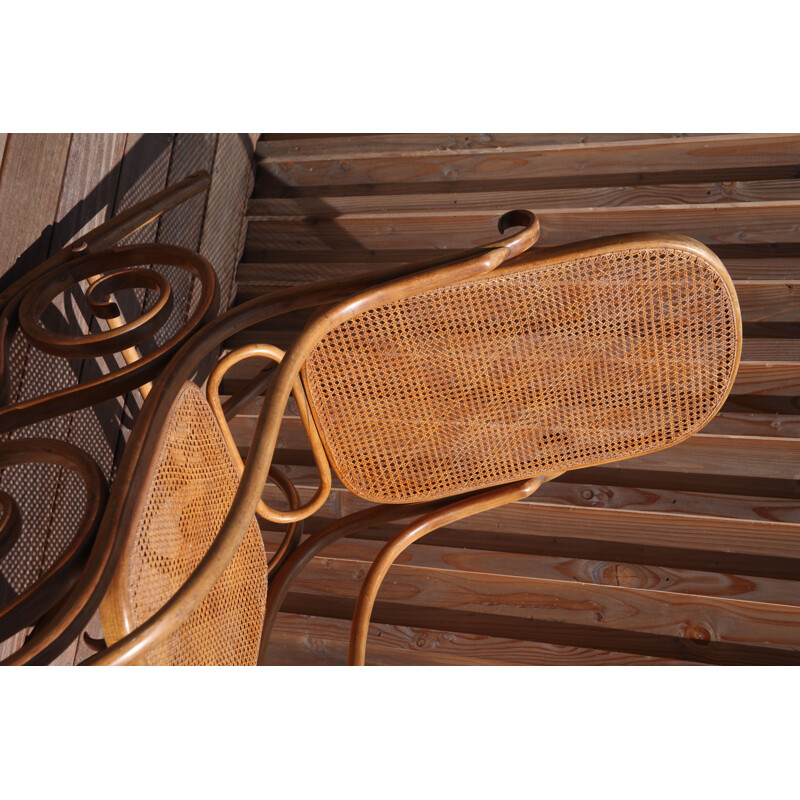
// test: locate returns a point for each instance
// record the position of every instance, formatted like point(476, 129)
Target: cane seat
point(189, 491)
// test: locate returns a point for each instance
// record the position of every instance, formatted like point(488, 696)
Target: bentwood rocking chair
point(447, 389)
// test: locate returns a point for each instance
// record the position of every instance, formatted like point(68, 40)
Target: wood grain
point(302, 640)
point(757, 221)
point(30, 185)
point(223, 229)
point(719, 153)
point(689, 616)
point(334, 206)
point(718, 512)
point(278, 146)
point(469, 557)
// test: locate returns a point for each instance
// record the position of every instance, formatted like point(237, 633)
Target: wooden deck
point(53, 188)
point(690, 555)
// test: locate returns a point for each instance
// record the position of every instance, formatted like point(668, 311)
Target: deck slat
point(696, 528)
point(547, 161)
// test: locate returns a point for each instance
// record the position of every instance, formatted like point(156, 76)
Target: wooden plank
point(754, 424)
point(762, 300)
point(653, 529)
point(631, 518)
point(145, 166)
point(3, 138)
point(758, 221)
point(689, 616)
point(299, 639)
point(223, 230)
point(540, 630)
point(497, 202)
point(144, 171)
point(183, 225)
point(734, 498)
point(30, 185)
point(571, 564)
point(775, 269)
point(767, 378)
point(87, 194)
point(719, 153)
point(281, 146)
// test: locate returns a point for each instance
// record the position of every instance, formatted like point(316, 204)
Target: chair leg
point(465, 507)
point(291, 568)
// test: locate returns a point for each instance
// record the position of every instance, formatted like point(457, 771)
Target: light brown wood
point(698, 618)
point(144, 449)
point(460, 558)
point(380, 183)
point(767, 221)
point(726, 152)
point(282, 145)
point(318, 641)
point(712, 193)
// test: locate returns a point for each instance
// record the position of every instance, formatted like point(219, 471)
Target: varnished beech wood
point(435, 519)
point(142, 448)
point(75, 259)
point(764, 364)
point(177, 609)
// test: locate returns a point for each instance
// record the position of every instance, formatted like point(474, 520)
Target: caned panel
point(613, 350)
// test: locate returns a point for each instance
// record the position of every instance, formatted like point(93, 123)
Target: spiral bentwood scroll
point(108, 271)
point(47, 605)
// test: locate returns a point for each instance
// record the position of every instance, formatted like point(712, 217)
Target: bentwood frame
point(337, 301)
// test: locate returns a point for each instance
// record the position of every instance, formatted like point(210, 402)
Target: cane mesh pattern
point(527, 372)
point(191, 489)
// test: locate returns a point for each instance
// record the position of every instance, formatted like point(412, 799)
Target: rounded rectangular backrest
point(568, 358)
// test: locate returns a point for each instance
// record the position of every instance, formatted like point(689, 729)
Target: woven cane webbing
point(191, 490)
point(533, 370)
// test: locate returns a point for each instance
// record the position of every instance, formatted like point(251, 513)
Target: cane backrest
point(573, 358)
